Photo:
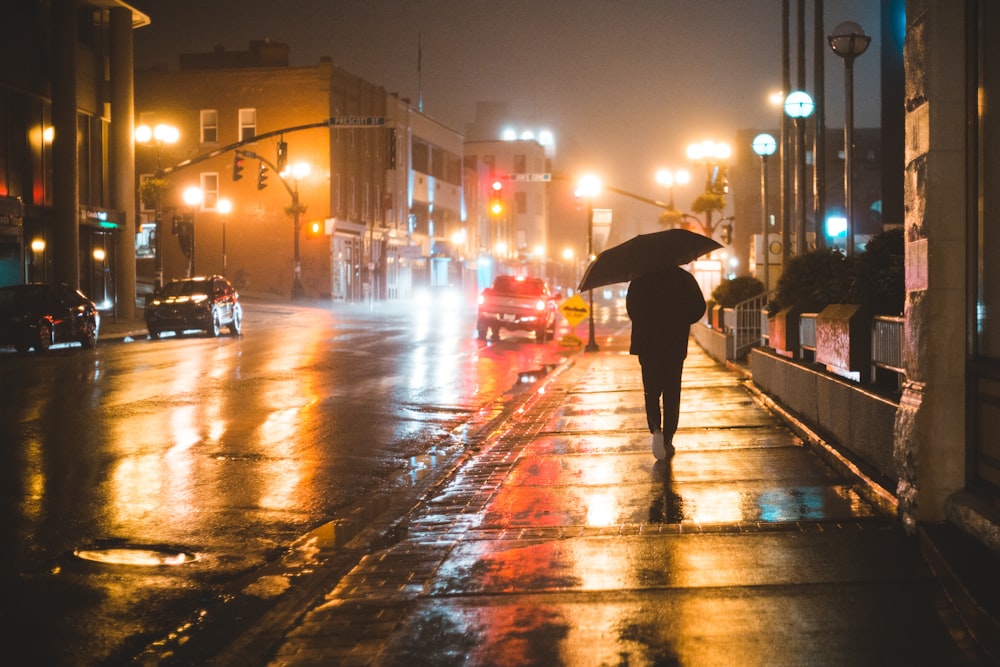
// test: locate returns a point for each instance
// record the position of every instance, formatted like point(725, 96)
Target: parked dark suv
point(190, 304)
point(38, 315)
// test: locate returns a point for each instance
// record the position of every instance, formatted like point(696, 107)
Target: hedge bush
point(879, 275)
point(875, 279)
point(813, 281)
point(732, 291)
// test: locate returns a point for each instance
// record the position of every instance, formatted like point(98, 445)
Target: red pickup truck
point(517, 303)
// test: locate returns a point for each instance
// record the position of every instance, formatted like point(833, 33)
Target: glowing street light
point(669, 179)
point(589, 186)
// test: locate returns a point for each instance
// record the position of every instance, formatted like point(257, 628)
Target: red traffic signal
point(237, 166)
point(496, 197)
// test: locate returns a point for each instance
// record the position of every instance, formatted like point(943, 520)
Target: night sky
point(629, 82)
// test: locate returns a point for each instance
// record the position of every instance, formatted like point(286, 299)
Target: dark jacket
point(663, 306)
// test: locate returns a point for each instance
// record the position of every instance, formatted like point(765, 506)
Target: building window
point(210, 191)
point(209, 126)
point(521, 203)
point(520, 165)
point(248, 124)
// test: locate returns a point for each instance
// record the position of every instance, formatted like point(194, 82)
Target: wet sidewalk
point(561, 541)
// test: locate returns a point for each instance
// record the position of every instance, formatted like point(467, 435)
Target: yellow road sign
point(574, 309)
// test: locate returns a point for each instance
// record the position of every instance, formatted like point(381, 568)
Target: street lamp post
point(799, 106)
point(298, 171)
point(849, 41)
point(588, 187)
point(764, 145)
point(224, 207)
point(159, 136)
point(192, 197)
point(714, 156)
point(670, 179)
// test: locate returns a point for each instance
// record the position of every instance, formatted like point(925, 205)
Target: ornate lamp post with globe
point(849, 41)
point(799, 105)
point(764, 145)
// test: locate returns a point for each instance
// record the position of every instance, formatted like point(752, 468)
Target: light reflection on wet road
point(228, 447)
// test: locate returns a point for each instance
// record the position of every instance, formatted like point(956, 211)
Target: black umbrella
point(645, 254)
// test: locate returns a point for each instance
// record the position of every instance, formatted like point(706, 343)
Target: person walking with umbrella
point(663, 302)
point(662, 307)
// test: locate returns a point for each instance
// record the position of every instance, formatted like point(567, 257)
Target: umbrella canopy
point(645, 254)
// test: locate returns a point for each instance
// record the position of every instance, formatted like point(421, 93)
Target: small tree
point(706, 204)
point(732, 291)
point(151, 191)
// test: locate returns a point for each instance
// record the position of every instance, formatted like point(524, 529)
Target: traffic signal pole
point(296, 209)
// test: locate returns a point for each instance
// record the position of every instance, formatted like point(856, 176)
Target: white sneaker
point(659, 449)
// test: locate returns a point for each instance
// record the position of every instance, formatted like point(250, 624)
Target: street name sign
point(531, 178)
point(356, 121)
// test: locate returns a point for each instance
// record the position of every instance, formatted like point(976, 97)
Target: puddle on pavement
point(420, 466)
point(138, 556)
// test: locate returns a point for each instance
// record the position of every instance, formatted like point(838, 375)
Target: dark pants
point(661, 377)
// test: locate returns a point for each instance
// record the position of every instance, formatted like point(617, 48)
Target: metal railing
point(887, 343)
point(807, 334)
point(747, 328)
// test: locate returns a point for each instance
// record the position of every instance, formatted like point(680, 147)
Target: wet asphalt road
point(225, 450)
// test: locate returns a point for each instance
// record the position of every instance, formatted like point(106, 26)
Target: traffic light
point(282, 155)
point(719, 180)
point(237, 166)
point(262, 176)
point(727, 234)
point(496, 197)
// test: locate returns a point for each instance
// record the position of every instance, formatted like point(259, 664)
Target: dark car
point(203, 303)
point(39, 315)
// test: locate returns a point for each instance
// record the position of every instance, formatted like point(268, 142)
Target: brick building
point(384, 182)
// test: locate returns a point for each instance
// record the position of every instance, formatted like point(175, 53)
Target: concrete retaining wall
point(855, 421)
point(718, 345)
